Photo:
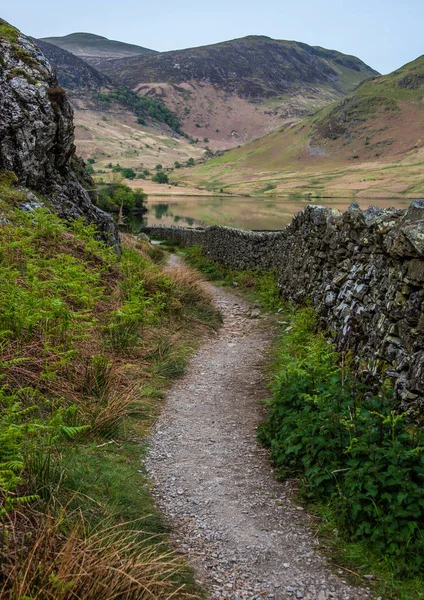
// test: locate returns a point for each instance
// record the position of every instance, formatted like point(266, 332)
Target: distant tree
point(146, 172)
point(160, 177)
point(128, 173)
point(158, 167)
point(190, 161)
point(91, 161)
point(116, 196)
point(124, 197)
point(141, 121)
point(177, 165)
point(89, 169)
point(206, 140)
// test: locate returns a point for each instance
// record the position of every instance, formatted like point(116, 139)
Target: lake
point(246, 213)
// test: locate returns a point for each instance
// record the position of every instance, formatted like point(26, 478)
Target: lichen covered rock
point(37, 132)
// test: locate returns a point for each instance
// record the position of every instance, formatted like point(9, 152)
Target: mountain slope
point(115, 125)
point(235, 91)
point(369, 143)
point(92, 47)
point(254, 67)
point(73, 72)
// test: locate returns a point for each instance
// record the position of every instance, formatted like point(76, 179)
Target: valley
point(197, 411)
point(284, 128)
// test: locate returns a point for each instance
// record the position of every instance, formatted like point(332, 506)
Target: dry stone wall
point(363, 271)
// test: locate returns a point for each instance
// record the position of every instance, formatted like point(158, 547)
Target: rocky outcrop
point(363, 271)
point(37, 132)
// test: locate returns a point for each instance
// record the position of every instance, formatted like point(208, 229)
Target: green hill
point(369, 143)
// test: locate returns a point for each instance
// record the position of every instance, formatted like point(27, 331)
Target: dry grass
point(111, 412)
point(110, 562)
point(189, 285)
point(130, 241)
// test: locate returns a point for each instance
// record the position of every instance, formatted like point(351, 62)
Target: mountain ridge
point(73, 72)
point(229, 93)
point(243, 49)
point(91, 46)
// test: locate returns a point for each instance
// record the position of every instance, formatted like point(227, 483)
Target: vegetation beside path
point(87, 346)
point(358, 463)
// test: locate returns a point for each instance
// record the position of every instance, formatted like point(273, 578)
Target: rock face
point(37, 132)
point(363, 271)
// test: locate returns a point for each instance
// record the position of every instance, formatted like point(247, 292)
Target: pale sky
point(383, 33)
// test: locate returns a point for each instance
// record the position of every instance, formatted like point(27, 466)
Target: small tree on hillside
point(160, 177)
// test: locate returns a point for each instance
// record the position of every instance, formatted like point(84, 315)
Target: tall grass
point(71, 563)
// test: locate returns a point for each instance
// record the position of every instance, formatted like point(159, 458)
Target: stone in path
point(241, 532)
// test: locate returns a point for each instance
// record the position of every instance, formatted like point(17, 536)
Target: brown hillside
point(232, 92)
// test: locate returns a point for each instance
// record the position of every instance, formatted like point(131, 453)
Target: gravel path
point(243, 535)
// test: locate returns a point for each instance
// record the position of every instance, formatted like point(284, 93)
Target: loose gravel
point(240, 528)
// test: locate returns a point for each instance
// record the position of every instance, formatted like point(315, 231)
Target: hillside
point(371, 143)
point(115, 125)
point(92, 47)
point(73, 72)
point(90, 337)
point(229, 93)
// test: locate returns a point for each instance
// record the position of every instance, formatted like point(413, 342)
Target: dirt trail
point(243, 535)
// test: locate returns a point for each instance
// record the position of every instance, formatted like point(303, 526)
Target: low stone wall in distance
point(363, 271)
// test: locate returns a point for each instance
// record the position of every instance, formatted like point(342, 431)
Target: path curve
point(241, 532)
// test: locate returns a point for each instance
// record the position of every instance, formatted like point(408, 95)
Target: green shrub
point(128, 173)
point(348, 446)
point(160, 177)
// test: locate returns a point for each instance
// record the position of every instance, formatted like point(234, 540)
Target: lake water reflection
point(246, 213)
